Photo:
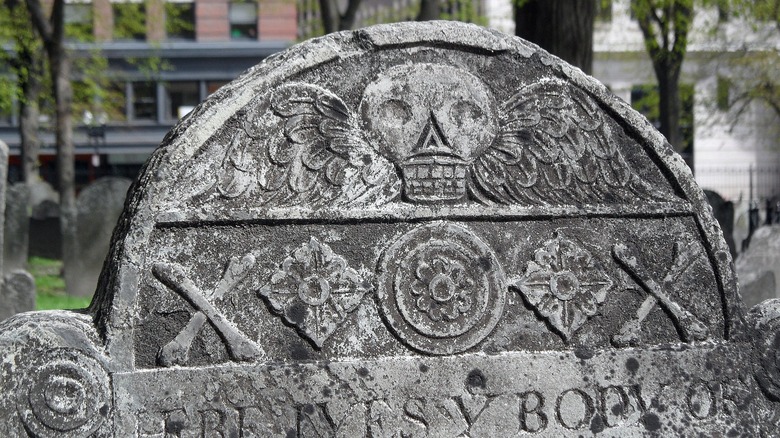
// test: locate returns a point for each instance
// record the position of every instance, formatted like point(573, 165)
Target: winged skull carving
point(430, 133)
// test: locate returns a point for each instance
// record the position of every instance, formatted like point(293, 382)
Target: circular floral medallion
point(441, 289)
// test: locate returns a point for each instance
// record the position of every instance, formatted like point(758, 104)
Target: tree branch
point(39, 20)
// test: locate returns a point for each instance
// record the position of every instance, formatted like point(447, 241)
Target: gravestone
point(17, 288)
point(17, 227)
point(418, 229)
point(758, 267)
point(723, 211)
point(45, 237)
point(98, 208)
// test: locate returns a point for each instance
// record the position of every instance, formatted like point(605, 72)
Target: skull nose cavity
point(434, 172)
point(432, 140)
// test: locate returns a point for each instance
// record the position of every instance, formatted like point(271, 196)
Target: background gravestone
point(418, 229)
point(758, 267)
point(17, 288)
point(17, 227)
point(44, 238)
point(724, 214)
point(98, 208)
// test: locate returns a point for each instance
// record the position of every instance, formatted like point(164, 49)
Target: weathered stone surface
point(17, 293)
point(758, 268)
point(17, 227)
point(420, 229)
point(99, 206)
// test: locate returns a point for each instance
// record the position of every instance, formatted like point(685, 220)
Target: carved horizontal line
point(416, 213)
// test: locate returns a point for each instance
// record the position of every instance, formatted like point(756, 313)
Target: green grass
point(50, 286)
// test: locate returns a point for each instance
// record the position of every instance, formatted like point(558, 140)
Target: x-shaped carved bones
point(239, 347)
point(689, 327)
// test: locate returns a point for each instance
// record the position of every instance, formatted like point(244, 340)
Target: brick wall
point(211, 20)
point(277, 20)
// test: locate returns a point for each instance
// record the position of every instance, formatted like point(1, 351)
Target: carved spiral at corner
point(766, 338)
point(65, 392)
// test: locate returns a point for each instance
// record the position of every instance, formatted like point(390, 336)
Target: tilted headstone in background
point(17, 287)
point(427, 229)
point(99, 206)
point(45, 236)
point(758, 267)
point(723, 211)
point(17, 227)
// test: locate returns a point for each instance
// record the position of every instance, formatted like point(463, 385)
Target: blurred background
point(88, 88)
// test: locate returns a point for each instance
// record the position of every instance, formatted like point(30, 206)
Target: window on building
point(6, 113)
point(144, 101)
point(180, 20)
point(78, 21)
point(722, 93)
point(129, 20)
point(243, 20)
point(181, 98)
point(604, 10)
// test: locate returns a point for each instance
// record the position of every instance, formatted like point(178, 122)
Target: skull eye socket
point(464, 112)
point(395, 112)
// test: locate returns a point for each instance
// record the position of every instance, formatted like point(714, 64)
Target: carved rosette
point(64, 393)
point(315, 290)
point(442, 290)
point(564, 284)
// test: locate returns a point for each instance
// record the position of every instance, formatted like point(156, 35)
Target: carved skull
point(408, 104)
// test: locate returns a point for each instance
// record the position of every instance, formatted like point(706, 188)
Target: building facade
point(162, 59)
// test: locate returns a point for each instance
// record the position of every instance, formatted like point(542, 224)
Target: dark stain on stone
point(651, 422)
point(476, 379)
point(362, 372)
point(632, 365)
point(327, 392)
point(174, 427)
point(423, 368)
point(597, 424)
point(299, 352)
point(484, 263)
point(583, 352)
point(297, 313)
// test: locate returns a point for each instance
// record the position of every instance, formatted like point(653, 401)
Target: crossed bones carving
point(688, 326)
point(239, 347)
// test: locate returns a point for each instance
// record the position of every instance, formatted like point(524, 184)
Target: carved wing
point(306, 146)
point(555, 147)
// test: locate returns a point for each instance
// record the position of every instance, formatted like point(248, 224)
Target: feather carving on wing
point(305, 147)
point(555, 147)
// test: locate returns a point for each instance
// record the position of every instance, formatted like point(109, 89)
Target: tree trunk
point(562, 27)
point(333, 20)
point(429, 10)
point(53, 33)
point(29, 118)
point(669, 104)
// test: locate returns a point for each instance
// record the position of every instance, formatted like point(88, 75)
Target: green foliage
point(50, 286)
point(129, 20)
point(646, 99)
point(179, 19)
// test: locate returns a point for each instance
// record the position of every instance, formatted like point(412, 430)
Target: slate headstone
point(17, 227)
point(17, 288)
point(17, 293)
point(724, 214)
point(758, 267)
point(98, 208)
point(418, 229)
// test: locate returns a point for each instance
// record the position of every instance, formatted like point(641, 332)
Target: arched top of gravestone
point(436, 130)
